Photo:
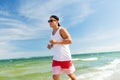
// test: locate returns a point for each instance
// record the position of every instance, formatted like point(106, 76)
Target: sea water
point(92, 66)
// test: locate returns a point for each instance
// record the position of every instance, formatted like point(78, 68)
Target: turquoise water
point(94, 66)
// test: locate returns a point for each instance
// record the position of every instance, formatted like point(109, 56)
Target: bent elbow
point(67, 42)
point(70, 41)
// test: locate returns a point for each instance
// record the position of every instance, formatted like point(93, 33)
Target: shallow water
point(97, 66)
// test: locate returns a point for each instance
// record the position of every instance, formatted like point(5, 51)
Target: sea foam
point(85, 59)
point(110, 71)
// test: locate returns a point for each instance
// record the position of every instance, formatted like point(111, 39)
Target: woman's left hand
point(53, 41)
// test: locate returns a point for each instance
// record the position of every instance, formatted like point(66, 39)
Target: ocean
point(92, 66)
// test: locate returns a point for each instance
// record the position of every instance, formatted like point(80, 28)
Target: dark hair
point(55, 17)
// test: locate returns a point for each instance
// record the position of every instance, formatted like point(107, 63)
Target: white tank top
point(61, 51)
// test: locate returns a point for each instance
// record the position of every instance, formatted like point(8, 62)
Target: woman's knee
point(56, 77)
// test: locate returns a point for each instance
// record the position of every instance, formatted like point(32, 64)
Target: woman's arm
point(66, 37)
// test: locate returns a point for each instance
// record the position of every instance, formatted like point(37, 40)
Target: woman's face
point(53, 22)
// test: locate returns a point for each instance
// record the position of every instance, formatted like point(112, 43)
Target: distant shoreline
point(50, 57)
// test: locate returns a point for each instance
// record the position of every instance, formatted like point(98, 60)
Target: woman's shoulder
point(62, 28)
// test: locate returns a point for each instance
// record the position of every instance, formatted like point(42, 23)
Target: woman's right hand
point(49, 46)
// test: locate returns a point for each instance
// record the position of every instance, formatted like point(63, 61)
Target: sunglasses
point(51, 20)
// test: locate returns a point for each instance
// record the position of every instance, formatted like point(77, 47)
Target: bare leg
point(56, 77)
point(72, 76)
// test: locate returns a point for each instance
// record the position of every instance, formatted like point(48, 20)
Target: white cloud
point(5, 13)
point(40, 11)
point(98, 41)
point(107, 48)
point(5, 47)
point(97, 48)
point(17, 30)
point(12, 29)
point(43, 10)
point(85, 11)
point(100, 35)
point(21, 54)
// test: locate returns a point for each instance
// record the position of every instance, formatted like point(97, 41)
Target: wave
point(90, 59)
point(110, 71)
point(111, 65)
point(75, 59)
point(86, 59)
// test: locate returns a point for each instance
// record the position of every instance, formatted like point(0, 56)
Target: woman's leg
point(72, 76)
point(56, 77)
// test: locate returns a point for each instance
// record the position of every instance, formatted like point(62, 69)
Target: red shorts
point(62, 64)
point(66, 66)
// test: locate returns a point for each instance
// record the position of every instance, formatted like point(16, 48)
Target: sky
point(94, 26)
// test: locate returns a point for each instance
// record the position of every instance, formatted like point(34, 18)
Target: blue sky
point(94, 26)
